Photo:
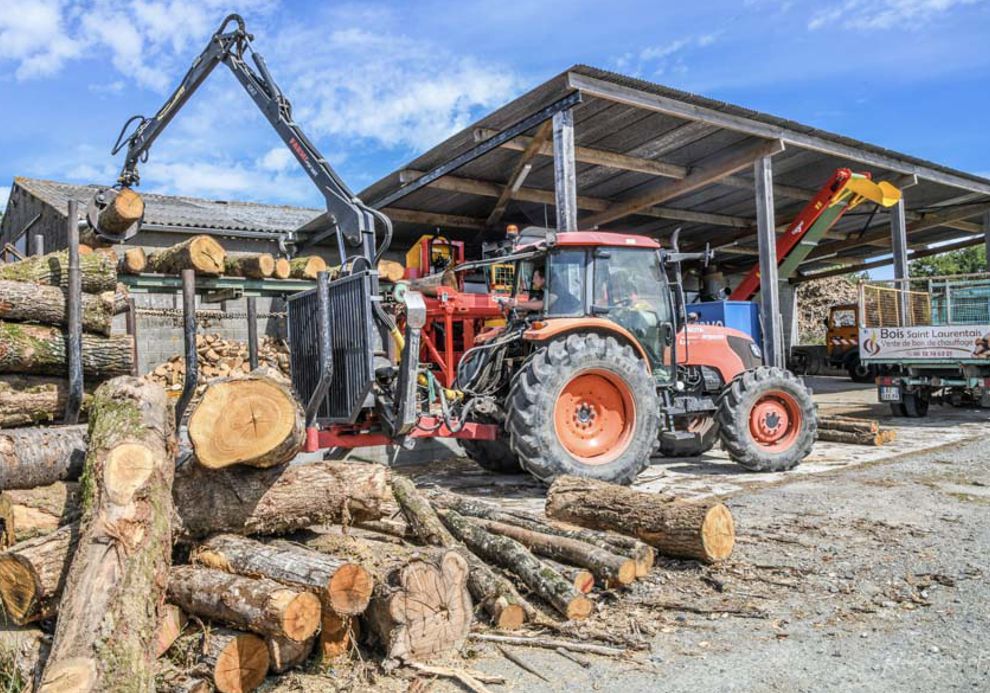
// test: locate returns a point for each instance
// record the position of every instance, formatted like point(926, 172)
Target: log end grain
point(207, 255)
point(282, 269)
point(350, 588)
point(718, 533)
point(241, 663)
point(300, 613)
point(71, 675)
point(510, 616)
point(19, 588)
point(583, 580)
point(579, 608)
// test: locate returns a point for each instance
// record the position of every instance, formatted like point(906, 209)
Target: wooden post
point(899, 247)
point(564, 174)
point(73, 328)
point(252, 325)
point(773, 343)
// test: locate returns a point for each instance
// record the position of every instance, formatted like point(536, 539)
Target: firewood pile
point(814, 299)
point(220, 358)
point(237, 561)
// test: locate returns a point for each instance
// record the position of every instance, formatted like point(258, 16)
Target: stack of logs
point(33, 340)
point(108, 533)
point(847, 429)
point(219, 358)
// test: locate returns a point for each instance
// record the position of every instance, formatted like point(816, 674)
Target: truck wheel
point(493, 455)
point(704, 432)
point(898, 409)
point(767, 420)
point(584, 405)
point(858, 371)
point(915, 406)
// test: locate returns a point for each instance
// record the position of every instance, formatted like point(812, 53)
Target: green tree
point(966, 261)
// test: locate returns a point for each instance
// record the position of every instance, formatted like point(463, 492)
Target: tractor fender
point(545, 330)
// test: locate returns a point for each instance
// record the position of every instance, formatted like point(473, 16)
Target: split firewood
point(250, 265)
point(133, 261)
point(288, 654)
point(23, 650)
point(496, 594)
point(338, 635)
point(126, 208)
point(420, 607)
point(641, 553)
point(41, 350)
point(171, 621)
point(251, 419)
point(31, 457)
point(29, 513)
point(546, 582)
point(341, 585)
point(97, 271)
point(120, 564)
point(703, 530)
point(283, 270)
point(857, 437)
point(277, 500)
point(259, 605)
point(201, 254)
point(33, 573)
point(306, 267)
point(48, 305)
point(31, 399)
point(390, 270)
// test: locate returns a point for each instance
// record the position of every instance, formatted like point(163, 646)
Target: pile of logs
point(846, 429)
point(239, 560)
point(219, 358)
point(33, 339)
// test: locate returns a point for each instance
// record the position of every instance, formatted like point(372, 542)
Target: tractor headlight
point(755, 349)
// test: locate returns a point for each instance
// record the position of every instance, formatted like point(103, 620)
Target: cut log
point(343, 586)
point(126, 208)
point(23, 650)
point(420, 607)
point(288, 654)
point(171, 621)
point(25, 302)
point(496, 594)
point(33, 572)
point(27, 400)
point(31, 457)
point(703, 530)
point(306, 267)
point(641, 553)
point(237, 662)
point(120, 565)
point(133, 261)
point(201, 254)
point(98, 272)
point(546, 582)
point(581, 578)
point(857, 437)
point(283, 269)
point(250, 419)
point(256, 604)
point(338, 635)
point(250, 265)
point(842, 423)
point(40, 350)
point(29, 513)
point(278, 500)
point(390, 270)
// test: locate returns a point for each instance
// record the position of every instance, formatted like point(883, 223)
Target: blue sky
point(375, 83)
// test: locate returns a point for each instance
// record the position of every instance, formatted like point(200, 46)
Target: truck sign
point(925, 342)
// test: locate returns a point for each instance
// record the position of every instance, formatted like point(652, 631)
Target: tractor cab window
point(631, 289)
point(565, 290)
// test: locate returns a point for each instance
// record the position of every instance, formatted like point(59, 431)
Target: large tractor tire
point(493, 455)
point(767, 420)
point(704, 435)
point(584, 405)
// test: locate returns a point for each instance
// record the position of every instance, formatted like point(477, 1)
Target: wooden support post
point(898, 246)
point(73, 342)
point(773, 343)
point(564, 174)
point(986, 235)
point(252, 320)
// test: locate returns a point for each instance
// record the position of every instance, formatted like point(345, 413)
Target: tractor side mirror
point(667, 333)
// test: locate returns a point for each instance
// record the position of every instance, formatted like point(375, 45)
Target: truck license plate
point(890, 393)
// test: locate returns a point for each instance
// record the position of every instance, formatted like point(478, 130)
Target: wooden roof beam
point(519, 173)
point(412, 216)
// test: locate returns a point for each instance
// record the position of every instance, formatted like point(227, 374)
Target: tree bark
point(306, 267)
point(641, 553)
point(259, 605)
point(27, 400)
point(495, 593)
point(41, 350)
point(546, 582)
point(250, 419)
point(171, 621)
point(250, 265)
point(237, 662)
point(420, 607)
point(133, 261)
point(29, 513)
point(849, 424)
point(33, 572)
point(31, 457)
point(200, 253)
point(120, 565)
point(288, 654)
point(703, 530)
point(341, 585)
point(23, 650)
point(283, 270)
point(26, 302)
point(98, 271)
point(277, 500)
point(857, 437)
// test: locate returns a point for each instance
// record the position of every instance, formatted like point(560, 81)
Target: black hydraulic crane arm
point(348, 218)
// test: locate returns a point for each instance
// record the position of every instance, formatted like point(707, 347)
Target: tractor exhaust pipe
point(115, 215)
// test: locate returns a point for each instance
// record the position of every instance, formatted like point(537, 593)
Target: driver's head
point(539, 281)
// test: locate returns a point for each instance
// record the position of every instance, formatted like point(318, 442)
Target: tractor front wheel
point(767, 420)
point(584, 405)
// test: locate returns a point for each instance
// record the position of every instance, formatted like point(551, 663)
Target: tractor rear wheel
point(493, 455)
point(584, 405)
point(704, 435)
point(767, 420)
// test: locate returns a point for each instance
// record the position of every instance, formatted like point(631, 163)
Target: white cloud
point(4, 195)
point(668, 57)
point(36, 38)
point(884, 14)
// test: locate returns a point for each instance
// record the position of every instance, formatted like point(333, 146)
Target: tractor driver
point(562, 301)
